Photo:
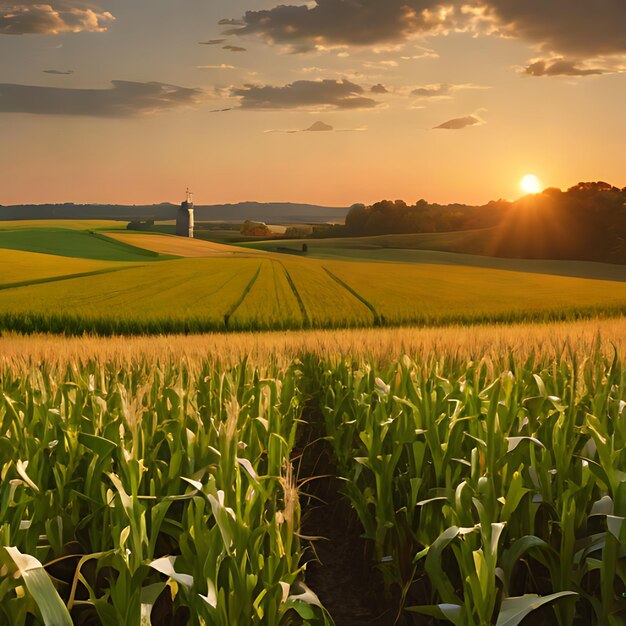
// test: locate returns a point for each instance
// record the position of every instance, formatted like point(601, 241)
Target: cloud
point(380, 65)
point(573, 28)
point(123, 99)
point(59, 72)
point(442, 91)
point(317, 127)
point(328, 23)
point(221, 66)
point(458, 123)
point(51, 17)
point(380, 88)
point(561, 67)
point(234, 48)
point(230, 22)
point(305, 94)
point(212, 42)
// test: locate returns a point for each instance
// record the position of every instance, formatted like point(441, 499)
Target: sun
point(530, 184)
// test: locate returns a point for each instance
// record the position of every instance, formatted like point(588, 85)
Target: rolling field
point(405, 249)
point(72, 243)
point(29, 267)
point(269, 297)
point(158, 297)
point(468, 242)
point(233, 288)
point(177, 246)
point(401, 294)
point(62, 224)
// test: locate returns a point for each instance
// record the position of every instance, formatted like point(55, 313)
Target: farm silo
point(184, 219)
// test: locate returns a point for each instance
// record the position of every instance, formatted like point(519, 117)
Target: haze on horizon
point(327, 102)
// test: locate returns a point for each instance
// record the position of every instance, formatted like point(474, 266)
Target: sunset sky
point(131, 101)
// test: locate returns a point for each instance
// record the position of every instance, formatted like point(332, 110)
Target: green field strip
point(378, 319)
point(245, 292)
point(127, 247)
point(54, 279)
point(73, 244)
point(296, 293)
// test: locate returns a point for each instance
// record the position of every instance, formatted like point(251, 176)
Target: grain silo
point(184, 219)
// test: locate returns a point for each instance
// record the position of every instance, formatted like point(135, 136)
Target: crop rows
point(488, 491)
point(160, 495)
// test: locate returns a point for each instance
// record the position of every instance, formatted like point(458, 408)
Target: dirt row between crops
point(339, 561)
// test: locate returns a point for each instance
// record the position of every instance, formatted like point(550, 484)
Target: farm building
point(184, 218)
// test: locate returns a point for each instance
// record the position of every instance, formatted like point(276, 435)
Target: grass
point(176, 246)
point(27, 267)
point(72, 243)
point(468, 242)
point(432, 294)
point(196, 295)
point(159, 297)
point(406, 249)
point(61, 224)
point(270, 297)
point(321, 299)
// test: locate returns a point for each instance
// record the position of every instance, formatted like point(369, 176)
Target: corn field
point(489, 491)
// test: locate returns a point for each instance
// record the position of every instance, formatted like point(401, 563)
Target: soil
point(339, 567)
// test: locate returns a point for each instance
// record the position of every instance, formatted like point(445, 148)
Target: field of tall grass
point(163, 480)
point(266, 292)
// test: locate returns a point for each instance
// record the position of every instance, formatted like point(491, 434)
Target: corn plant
point(151, 492)
point(488, 489)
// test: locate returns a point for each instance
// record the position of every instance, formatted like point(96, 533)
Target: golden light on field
point(530, 184)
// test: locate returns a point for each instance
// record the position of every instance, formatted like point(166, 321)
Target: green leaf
point(40, 587)
point(99, 445)
point(514, 610)
point(452, 612)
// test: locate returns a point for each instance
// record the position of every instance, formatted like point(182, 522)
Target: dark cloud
point(59, 72)
point(305, 94)
point(440, 90)
point(573, 28)
point(343, 22)
point(51, 17)
point(319, 127)
point(123, 99)
point(212, 42)
point(458, 123)
point(234, 48)
point(560, 67)
point(578, 28)
point(226, 22)
point(380, 88)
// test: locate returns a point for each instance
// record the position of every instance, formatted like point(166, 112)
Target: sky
point(330, 102)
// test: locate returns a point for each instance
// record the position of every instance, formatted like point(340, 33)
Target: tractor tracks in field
point(379, 320)
point(306, 320)
point(55, 279)
point(242, 297)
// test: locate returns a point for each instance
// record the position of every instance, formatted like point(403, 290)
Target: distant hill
point(272, 212)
